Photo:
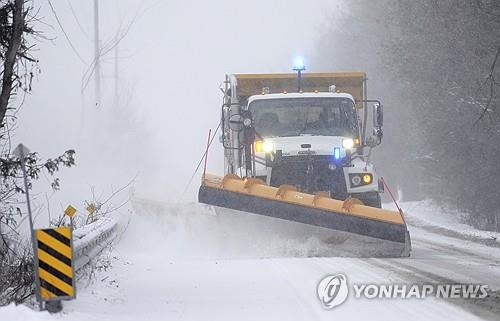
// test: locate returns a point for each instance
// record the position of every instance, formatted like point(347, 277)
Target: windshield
point(304, 116)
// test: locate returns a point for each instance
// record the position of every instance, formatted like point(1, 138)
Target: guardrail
point(91, 239)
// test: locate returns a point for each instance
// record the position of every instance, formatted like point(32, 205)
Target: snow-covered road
point(180, 263)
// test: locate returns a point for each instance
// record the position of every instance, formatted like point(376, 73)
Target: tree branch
point(10, 57)
point(492, 83)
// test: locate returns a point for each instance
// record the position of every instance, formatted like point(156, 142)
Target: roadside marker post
point(21, 151)
point(55, 261)
point(52, 253)
point(55, 266)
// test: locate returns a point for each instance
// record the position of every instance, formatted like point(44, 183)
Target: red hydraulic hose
point(392, 196)
point(206, 154)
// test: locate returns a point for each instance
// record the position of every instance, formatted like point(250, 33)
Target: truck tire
point(370, 199)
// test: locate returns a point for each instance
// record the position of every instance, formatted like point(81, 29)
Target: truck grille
point(292, 170)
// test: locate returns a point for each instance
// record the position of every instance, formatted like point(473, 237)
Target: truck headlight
point(348, 143)
point(267, 146)
point(258, 146)
point(356, 180)
point(360, 179)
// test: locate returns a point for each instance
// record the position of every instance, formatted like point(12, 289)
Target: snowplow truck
point(296, 148)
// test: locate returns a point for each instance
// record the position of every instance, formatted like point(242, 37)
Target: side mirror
point(378, 116)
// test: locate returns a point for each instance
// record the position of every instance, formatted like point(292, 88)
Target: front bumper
point(311, 174)
point(314, 173)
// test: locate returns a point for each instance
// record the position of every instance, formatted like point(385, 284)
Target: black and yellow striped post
point(55, 264)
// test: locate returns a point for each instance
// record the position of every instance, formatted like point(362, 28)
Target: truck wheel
point(370, 199)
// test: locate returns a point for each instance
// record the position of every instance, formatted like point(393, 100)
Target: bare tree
point(435, 65)
point(492, 84)
point(16, 63)
point(15, 26)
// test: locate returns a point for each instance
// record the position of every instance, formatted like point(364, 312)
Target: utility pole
point(116, 76)
point(97, 67)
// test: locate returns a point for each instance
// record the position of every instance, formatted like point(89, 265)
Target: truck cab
point(312, 139)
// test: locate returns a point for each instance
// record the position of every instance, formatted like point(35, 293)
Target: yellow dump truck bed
point(347, 82)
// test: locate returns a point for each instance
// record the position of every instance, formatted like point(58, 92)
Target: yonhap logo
point(332, 290)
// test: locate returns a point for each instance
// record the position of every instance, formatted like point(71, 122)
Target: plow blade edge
point(377, 232)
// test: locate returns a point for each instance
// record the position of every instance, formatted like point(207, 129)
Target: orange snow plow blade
point(375, 231)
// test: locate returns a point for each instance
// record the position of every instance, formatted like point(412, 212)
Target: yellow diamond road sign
point(70, 211)
point(91, 209)
point(55, 263)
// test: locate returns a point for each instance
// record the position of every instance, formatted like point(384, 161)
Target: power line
point(65, 34)
point(78, 20)
point(97, 54)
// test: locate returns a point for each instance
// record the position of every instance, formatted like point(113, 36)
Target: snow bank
point(87, 229)
point(14, 312)
point(92, 239)
point(429, 215)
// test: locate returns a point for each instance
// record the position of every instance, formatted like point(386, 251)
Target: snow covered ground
point(178, 262)
point(445, 221)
